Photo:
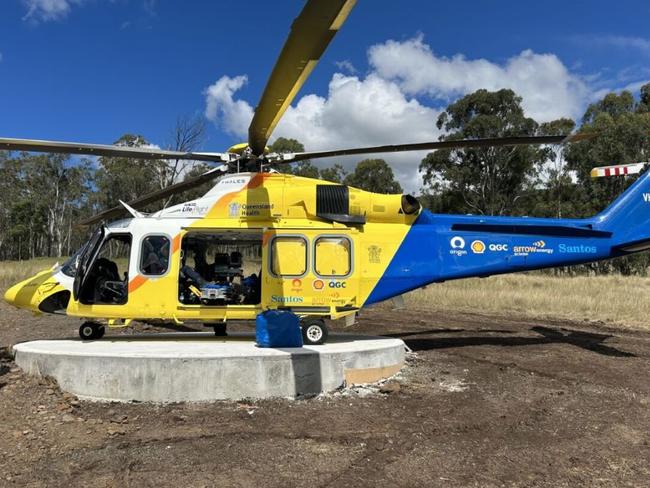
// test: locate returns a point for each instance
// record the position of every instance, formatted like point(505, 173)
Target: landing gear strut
point(90, 331)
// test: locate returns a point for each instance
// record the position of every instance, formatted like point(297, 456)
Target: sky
point(92, 70)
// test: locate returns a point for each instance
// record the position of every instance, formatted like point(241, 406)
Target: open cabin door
point(310, 271)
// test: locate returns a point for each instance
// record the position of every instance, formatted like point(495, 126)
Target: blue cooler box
point(275, 328)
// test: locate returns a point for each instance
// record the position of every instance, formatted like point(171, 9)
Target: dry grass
point(11, 272)
point(616, 300)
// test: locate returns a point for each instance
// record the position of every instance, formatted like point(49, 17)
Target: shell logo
point(478, 247)
point(296, 283)
point(318, 284)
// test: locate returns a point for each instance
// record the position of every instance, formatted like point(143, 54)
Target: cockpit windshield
point(71, 266)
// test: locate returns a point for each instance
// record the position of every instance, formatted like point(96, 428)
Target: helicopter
point(260, 239)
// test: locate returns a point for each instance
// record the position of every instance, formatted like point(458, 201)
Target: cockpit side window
point(154, 255)
point(107, 279)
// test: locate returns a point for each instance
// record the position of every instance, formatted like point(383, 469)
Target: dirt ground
point(484, 401)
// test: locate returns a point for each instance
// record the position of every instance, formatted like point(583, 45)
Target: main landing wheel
point(220, 329)
point(90, 331)
point(314, 332)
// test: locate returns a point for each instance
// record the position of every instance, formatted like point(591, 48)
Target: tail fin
point(628, 217)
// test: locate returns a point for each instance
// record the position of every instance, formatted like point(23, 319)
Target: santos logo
point(646, 197)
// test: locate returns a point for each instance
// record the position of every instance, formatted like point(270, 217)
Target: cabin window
point(289, 256)
point(154, 255)
point(333, 256)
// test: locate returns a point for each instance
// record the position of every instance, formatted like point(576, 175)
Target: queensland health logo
point(234, 209)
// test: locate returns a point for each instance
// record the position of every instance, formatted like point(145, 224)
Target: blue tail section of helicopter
point(446, 247)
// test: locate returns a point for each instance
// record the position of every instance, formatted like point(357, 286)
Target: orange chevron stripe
point(219, 207)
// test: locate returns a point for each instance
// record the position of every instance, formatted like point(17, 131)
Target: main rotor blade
point(311, 32)
point(34, 145)
point(156, 196)
point(421, 146)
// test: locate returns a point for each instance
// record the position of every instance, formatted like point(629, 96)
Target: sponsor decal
point(498, 247)
point(248, 209)
point(646, 197)
point(577, 249)
point(286, 299)
point(296, 285)
point(233, 181)
point(534, 248)
point(374, 254)
point(233, 209)
point(318, 285)
point(337, 284)
point(478, 247)
point(457, 244)
point(193, 208)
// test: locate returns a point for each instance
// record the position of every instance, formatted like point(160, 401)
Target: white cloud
point(548, 89)
point(231, 115)
point(45, 10)
point(362, 112)
point(346, 66)
point(622, 42)
point(400, 98)
point(356, 112)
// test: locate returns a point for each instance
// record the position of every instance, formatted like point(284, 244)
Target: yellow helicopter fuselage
point(323, 249)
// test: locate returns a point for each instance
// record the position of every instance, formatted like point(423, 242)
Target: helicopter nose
point(29, 293)
point(12, 294)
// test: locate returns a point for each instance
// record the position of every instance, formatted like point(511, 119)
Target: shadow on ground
point(585, 340)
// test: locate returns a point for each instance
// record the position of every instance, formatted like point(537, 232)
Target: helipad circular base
point(178, 367)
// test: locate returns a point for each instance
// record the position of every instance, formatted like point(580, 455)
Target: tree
point(483, 180)
point(556, 179)
point(282, 145)
point(187, 135)
point(335, 174)
point(126, 179)
point(373, 175)
point(622, 128)
point(40, 198)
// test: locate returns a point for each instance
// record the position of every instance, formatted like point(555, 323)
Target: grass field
point(12, 272)
point(616, 300)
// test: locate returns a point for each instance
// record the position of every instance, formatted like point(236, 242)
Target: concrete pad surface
point(176, 367)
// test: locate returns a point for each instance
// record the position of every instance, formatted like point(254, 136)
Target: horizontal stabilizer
point(636, 246)
point(619, 170)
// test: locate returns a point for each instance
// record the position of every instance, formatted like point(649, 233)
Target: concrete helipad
point(176, 367)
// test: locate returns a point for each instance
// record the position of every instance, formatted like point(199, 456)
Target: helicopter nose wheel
point(314, 332)
point(90, 331)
